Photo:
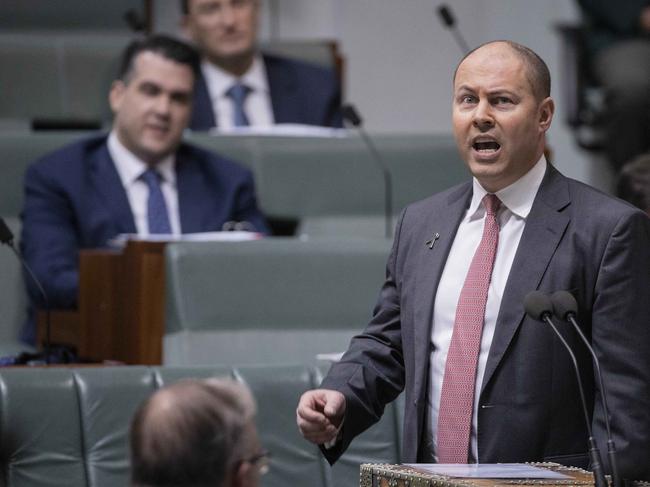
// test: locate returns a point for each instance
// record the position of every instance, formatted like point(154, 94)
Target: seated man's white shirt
point(257, 105)
point(130, 168)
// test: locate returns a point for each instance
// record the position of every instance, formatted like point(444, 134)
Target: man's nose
point(227, 15)
point(483, 118)
point(163, 105)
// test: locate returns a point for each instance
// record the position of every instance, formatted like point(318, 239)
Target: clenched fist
point(319, 415)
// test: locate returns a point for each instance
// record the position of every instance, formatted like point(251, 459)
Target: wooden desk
point(121, 306)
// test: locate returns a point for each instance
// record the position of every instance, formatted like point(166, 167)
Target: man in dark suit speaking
point(139, 179)
point(483, 382)
point(239, 86)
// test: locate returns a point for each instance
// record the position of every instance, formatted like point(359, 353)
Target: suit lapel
point(203, 116)
point(544, 229)
point(431, 264)
point(106, 181)
point(282, 86)
point(191, 196)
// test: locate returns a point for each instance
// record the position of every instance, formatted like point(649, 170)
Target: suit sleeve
point(371, 372)
point(49, 240)
point(621, 339)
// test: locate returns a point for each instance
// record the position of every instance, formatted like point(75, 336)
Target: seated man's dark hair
point(166, 46)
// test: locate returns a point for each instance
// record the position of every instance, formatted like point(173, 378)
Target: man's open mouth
point(486, 146)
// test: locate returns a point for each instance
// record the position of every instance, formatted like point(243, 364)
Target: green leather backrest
point(313, 177)
point(58, 75)
point(273, 283)
point(21, 15)
point(64, 426)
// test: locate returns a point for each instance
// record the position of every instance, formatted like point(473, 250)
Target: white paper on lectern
point(488, 470)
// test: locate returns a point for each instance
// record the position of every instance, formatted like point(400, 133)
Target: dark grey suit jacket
point(576, 239)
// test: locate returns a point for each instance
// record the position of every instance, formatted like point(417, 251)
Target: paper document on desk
point(488, 470)
point(120, 240)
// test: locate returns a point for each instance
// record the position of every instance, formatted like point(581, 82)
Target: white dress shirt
point(257, 105)
point(130, 168)
point(517, 200)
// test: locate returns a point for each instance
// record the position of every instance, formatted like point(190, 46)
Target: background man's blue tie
point(238, 93)
point(157, 216)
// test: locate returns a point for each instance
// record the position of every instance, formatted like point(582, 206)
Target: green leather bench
point(69, 427)
point(273, 300)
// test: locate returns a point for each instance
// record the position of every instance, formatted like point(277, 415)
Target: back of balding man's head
point(190, 434)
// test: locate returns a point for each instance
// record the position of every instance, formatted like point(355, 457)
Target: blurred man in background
point(240, 86)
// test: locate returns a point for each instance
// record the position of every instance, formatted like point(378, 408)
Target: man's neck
point(237, 66)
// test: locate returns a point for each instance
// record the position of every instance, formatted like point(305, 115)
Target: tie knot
point(492, 204)
point(151, 177)
point(238, 92)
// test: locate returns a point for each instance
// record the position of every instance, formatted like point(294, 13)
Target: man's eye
point(149, 89)
point(467, 99)
point(502, 100)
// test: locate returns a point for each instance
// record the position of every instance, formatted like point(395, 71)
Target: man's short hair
point(634, 182)
point(537, 71)
point(165, 46)
point(190, 433)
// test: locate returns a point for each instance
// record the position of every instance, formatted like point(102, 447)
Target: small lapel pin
point(432, 242)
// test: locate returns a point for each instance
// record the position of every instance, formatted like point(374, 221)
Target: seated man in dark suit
point(139, 179)
point(197, 433)
point(240, 86)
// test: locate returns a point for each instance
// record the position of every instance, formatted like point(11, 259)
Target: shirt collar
point(219, 80)
point(130, 168)
point(518, 197)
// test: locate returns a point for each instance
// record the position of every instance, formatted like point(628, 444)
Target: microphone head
point(538, 305)
point(351, 115)
point(564, 304)
point(446, 16)
point(6, 236)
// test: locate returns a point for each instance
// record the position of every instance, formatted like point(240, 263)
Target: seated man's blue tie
point(157, 216)
point(238, 93)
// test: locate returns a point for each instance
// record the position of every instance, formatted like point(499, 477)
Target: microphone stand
point(351, 115)
point(594, 454)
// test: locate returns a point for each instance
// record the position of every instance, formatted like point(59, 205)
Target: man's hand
point(319, 415)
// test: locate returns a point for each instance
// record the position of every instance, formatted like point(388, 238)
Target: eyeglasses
point(260, 460)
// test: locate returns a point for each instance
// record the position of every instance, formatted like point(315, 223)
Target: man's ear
point(546, 111)
point(116, 95)
point(241, 477)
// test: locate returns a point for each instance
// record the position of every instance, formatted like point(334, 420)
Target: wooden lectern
point(121, 306)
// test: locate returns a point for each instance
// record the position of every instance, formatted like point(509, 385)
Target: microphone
point(351, 115)
point(448, 20)
point(566, 308)
point(539, 307)
point(7, 238)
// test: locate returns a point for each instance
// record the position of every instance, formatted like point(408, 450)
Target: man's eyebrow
point(465, 88)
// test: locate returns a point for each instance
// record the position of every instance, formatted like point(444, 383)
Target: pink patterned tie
point(457, 396)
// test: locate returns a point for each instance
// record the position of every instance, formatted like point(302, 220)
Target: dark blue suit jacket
point(300, 93)
point(74, 199)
